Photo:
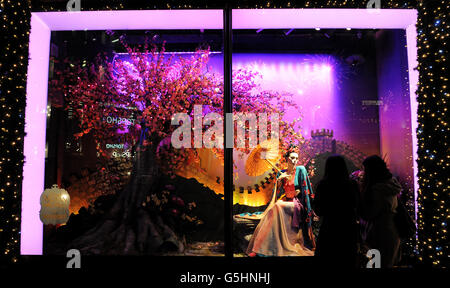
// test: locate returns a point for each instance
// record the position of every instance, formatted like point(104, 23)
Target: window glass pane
point(336, 91)
point(137, 181)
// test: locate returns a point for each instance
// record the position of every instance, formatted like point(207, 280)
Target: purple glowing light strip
point(346, 18)
point(34, 142)
point(42, 23)
point(411, 43)
point(323, 18)
point(133, 20)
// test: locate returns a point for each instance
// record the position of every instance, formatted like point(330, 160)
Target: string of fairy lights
point(15, 19)
point(433, 95)
point(433, 130)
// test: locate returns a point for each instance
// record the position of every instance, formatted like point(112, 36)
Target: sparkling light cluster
point(15, 17)
point(433, 131)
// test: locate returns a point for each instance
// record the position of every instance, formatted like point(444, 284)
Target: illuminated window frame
point(43, 23)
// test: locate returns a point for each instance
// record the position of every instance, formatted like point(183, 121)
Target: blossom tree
point(135, 101)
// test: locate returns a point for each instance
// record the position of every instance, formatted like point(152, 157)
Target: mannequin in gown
point(285, 226)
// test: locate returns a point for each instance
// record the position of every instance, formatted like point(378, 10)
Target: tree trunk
point(128, 228)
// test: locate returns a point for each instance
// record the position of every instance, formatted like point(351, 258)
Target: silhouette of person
point(379, 206)
point(336, 204)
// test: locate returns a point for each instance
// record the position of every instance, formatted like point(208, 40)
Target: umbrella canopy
point(263, 158)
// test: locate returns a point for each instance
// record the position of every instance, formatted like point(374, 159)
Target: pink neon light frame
point(42, 23)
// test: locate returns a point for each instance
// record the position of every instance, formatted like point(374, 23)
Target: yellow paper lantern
point(54, 206)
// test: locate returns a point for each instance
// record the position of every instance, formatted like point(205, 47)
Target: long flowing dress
point(284, 226)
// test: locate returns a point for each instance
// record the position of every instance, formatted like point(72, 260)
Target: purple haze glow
point(308, 78)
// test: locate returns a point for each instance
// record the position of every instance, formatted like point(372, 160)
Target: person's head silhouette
point(336, 169)
point(375, 170)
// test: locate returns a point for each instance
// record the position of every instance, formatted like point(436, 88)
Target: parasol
point(262, 158)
